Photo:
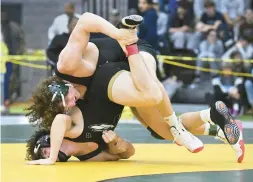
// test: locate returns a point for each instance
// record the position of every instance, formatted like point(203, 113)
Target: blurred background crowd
point(221, 30)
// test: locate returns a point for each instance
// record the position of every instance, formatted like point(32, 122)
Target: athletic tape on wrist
point(132, 49)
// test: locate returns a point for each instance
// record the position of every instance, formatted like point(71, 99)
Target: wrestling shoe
point(130, 22)
point(232, 130)
point(184, 138)
point(220, 135)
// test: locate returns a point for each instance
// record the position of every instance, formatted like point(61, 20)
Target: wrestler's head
point(52, 96)
point(38, 146)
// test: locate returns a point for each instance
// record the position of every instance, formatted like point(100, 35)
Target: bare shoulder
point(75, 114)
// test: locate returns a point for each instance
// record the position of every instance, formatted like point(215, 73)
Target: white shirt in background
point(59, 26)
point(233, 8)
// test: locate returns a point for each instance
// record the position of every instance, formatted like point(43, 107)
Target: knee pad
point(154, 134)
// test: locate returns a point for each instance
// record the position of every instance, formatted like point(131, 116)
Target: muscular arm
point(60, 125)
point(105, 156)
point(129, 151)
point(108, 156)
point(71, 58)
point(116, 145)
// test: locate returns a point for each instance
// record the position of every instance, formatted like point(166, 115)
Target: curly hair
point(42, 111)
point(31, 143)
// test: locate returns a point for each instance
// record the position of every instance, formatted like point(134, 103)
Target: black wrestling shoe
point(232, 128)
point(130, 22)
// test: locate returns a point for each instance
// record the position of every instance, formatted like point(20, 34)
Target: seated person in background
point(228, 88)
point(114, 17)
point(148, 28)
point(240, 65)
point(243, 46)
point(246, 28)
point(60, 41)
point(180, 29)
point(38, 147)
point(211, 47)
point(249, 90)
point(232, 11)
point(211, 19)
point(162, 28)
point(199, 6)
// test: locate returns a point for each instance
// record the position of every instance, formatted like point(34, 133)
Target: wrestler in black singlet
point(99, 112)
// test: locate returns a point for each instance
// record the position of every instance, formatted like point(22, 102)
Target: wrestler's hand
point(126, 37)
point(47, 161)
point(110, 137)
point(121, 145)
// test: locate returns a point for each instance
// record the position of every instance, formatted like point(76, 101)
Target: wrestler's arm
point(108, 156)
point(60, 125)
point(105, 156)
point(126, 146)
point(118, 145)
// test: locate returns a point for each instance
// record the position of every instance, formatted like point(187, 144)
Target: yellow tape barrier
point(29, 64)
point(19, 59)
point(184, 58)
point(24, 57)
point(206, 69)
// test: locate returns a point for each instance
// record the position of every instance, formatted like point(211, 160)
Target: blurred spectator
point(148, 29)
point(13, 37)
point(211, 47)
point(114, 17)
point(199, 6)
point(228, 89)
point(60, 41)
point(162, 28)
point(246, 28)
point(162, 21)
point(180, 29)
point(243, 46)
point(249, 90)
point(232, 10)
point(170, 6)
point(4, 51)
point(211, 19)
point(240, 65)
point(60, 23)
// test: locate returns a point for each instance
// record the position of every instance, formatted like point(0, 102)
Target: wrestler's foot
point(130, 22)
point(232, 130)
point(184, 138)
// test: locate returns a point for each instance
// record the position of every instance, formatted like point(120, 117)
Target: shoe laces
point(176, 133)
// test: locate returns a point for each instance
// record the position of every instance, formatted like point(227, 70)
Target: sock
point(213, 130)
point(207, 128)
point(171, 120)
point(205, 116)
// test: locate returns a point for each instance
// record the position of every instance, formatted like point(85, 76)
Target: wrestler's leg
point(145, 61)
point(218, 114)
point(124, 92)
point(151, 117)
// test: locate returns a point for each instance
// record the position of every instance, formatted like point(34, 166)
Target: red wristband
point(132, 49)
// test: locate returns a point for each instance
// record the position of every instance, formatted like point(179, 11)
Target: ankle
point(172, 120)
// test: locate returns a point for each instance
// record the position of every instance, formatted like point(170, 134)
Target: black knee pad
point(154, 134)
